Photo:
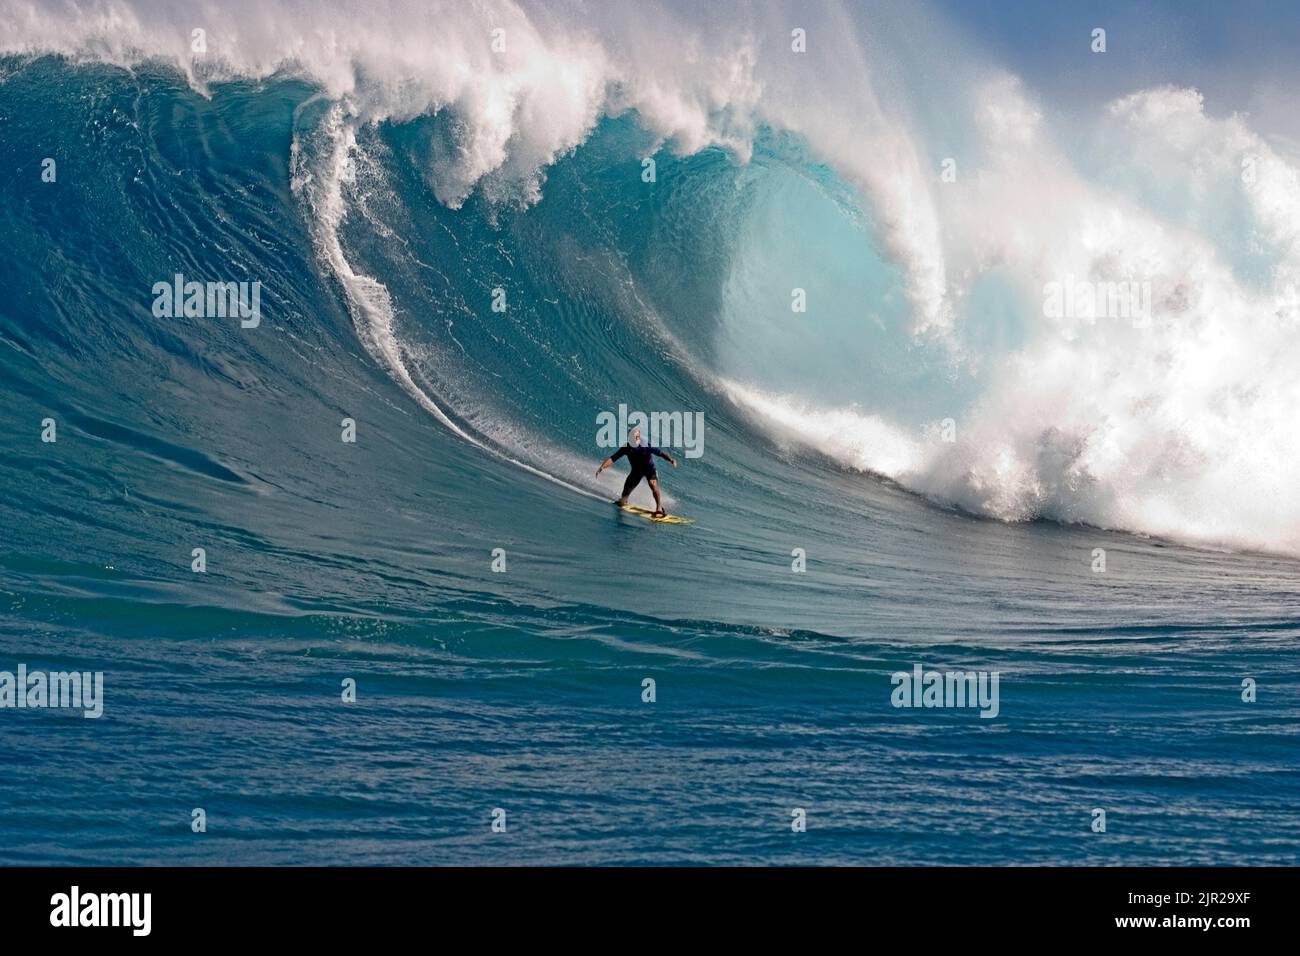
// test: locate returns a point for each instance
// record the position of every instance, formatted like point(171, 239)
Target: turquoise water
point(522, 689)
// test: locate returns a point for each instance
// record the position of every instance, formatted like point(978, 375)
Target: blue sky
point(1244, 56)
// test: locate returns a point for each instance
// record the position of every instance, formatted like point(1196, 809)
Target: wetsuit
point(640, 457)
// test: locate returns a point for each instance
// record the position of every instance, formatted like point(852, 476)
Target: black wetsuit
point(640, 457)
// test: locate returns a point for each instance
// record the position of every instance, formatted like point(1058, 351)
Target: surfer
point(641, 458)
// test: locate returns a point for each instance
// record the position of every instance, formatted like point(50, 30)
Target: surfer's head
point(636, 437)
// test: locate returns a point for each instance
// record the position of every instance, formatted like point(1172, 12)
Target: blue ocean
point(355, 591)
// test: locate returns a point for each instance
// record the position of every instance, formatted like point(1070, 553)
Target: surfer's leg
point(632, 481)
point(659, 505)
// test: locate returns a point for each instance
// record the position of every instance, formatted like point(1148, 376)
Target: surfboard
point(650, 515)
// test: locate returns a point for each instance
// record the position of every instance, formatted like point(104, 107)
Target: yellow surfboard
point(650, 515)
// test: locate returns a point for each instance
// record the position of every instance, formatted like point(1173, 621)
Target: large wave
point(926, 318)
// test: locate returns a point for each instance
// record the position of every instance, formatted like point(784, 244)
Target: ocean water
point(385, 199)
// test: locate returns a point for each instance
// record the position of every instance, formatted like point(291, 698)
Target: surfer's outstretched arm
point(665, 456)
point(611, 459)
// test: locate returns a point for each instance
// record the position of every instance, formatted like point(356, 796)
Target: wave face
point(389, 178)
point(927, 297)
